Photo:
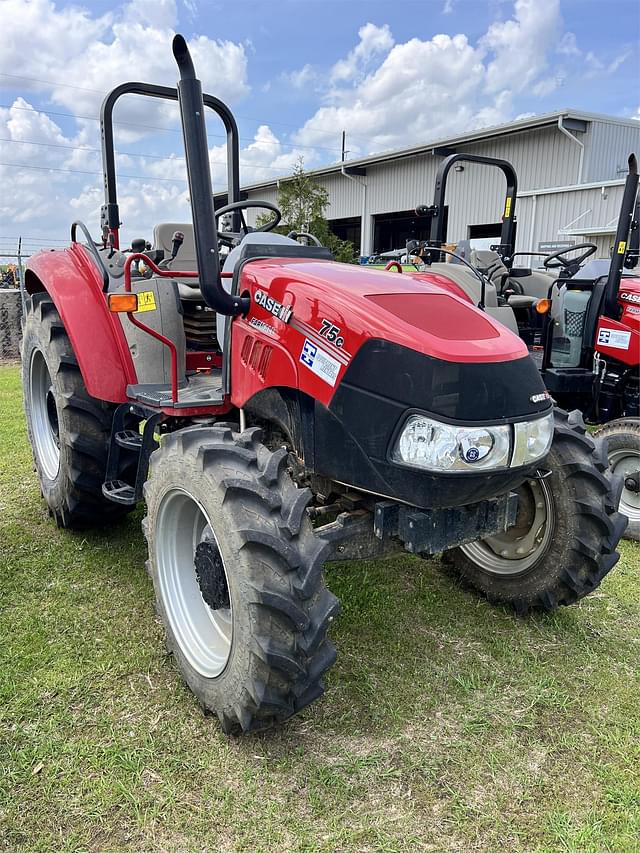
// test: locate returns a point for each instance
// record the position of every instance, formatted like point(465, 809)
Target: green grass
point(447, 724)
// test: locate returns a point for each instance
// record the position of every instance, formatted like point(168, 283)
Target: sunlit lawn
point(447, 724)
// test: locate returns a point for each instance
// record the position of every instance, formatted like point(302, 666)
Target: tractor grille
point(199, 324)
point(574, 323)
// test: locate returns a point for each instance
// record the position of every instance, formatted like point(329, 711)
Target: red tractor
point(581, 321)
point(285, 411)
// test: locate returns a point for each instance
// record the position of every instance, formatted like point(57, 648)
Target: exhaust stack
point(199, 176)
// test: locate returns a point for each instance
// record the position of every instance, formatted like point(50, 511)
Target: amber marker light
point(543, 306)
point(123, 303)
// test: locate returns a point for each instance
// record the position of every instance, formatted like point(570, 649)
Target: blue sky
point(296, 73)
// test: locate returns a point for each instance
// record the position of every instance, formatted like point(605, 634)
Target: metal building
point(570, 165)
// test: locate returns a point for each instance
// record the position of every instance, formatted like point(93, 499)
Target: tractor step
point(119, 492)
point(200, 390)
point(129, 439)
point(129, 452)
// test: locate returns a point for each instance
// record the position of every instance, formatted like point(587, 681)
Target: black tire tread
point(625, 428)
point(593, 495)
point(290, 618)
point(85, 425)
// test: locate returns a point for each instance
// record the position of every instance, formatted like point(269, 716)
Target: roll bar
point(191, 100)
point(627, 230)
point(438, 230)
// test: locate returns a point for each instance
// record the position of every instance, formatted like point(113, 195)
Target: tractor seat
point(534, 283)
point(466, 280)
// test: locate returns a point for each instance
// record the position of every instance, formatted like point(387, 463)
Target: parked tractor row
point(277, 410)
point(580, 321)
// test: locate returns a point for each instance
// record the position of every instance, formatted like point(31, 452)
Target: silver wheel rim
point(623, 463)
point(518, 549)
point(44, 416)
point(203, 634)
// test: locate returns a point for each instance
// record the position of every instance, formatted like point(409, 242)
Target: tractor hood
point(363, 303)
point(366, 348)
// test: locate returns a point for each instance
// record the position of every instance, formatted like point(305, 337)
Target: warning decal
point(146, 301)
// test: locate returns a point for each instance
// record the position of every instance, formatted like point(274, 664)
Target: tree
point(302, 203)
point(301, 200)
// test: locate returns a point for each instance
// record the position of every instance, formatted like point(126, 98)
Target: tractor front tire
point(623, 449)
point(565, 536)
point(68, 429)
point(237, 572)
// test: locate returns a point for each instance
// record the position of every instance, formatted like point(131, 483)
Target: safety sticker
point(507, 207)
point(320, 362)
point(146, 301)
point(613, 338)
point(622, 247)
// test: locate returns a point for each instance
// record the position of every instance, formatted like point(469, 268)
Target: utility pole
point(344, 149)
point(23, 295)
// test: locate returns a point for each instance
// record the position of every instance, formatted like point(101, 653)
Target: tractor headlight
point(532, 440)
point(446, 447)
point(436, 446)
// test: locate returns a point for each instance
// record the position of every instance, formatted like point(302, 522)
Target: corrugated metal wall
point(543, 158)
point(556, 213)
point(609, 147)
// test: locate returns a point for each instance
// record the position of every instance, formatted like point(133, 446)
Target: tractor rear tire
point(68, 429)
point(623, 449)
point(237, 572)
point(565, 536)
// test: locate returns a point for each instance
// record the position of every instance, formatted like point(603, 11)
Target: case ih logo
point(540, 398)
point(282, 312)
point(630, 297)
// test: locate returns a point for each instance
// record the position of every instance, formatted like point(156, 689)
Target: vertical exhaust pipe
point(611, 306)
point(194, 133)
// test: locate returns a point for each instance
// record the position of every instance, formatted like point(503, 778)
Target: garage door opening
point(347, 229)
point(392, 230)
point(492, 229)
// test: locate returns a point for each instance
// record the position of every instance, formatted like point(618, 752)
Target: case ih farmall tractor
point(286, 411)
point(580, 321)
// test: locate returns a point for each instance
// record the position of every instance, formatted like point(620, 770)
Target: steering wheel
point(293, 235)
point(232, 238)
point(557, 259)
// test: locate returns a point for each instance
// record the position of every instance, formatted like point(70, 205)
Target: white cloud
point(264, 157)
point(546, 86)
point(520, 45)
point(91, 53)
point(568, 45)
point(95, 54)
point(384, 94)
point(31, 195)
point(421, 89)
point(595, 66)
point(426, 89)
point(373, 41)
point(615, 63)
point(302, 78)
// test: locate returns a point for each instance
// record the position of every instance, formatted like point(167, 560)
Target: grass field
point(447, 724)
